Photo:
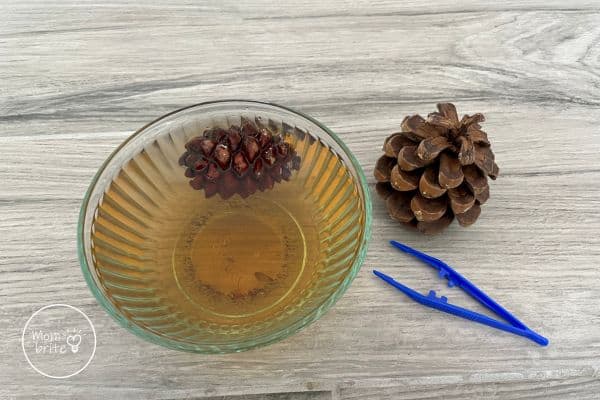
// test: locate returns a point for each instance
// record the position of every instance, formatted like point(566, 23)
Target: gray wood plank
point(78, 78)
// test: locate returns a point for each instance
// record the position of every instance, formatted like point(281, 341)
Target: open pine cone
point(436, 169)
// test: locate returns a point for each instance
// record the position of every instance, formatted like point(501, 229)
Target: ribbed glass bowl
point(130, 241)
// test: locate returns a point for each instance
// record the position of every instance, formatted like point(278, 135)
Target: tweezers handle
point(442, 305)
point(454, 278)
point(482, 319)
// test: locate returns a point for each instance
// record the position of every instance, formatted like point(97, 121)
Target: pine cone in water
point(436, 169)
point(238, 160)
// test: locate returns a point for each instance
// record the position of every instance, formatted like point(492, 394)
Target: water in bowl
point(187, 267)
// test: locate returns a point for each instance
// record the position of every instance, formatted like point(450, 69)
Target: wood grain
point(78, 78)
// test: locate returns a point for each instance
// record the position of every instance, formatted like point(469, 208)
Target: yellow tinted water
point(171, 259)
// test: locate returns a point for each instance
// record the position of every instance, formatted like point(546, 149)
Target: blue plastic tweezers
point(455, 279)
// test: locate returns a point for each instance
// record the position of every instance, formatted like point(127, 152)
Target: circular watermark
point(59, 341)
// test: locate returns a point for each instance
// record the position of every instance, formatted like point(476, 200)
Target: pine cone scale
point(466, 155)
point(448, 110)
point(471, 120)
point(484, 159)
point(428, 209)
point(431, 147)
point(483, 196)
point(450, 175)
point(470, 216)
point(429, 185)
point(402, 180)
point(416, 128)
point(398, 205)
point(441, 121)
point(461, 199)
point(394, 143)
point(475, 179)
point(408, 160)
point(477, 136)
point(383, 169)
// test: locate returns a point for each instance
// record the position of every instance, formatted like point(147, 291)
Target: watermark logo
point(59, 341)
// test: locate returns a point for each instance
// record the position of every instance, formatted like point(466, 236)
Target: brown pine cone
point(436, 169)
point(238, 160)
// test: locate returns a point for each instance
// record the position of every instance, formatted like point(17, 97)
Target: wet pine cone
point(238, 160)
point(436, 169)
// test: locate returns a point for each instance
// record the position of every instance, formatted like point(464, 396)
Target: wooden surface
point(77, 78)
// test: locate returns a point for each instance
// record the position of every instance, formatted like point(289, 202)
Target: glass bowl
point(218, 274)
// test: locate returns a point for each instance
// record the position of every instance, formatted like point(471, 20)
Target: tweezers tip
point(382, 276)
point(539, 339)
point(399, 245)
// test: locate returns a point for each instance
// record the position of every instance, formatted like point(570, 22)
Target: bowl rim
point(232, 347)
